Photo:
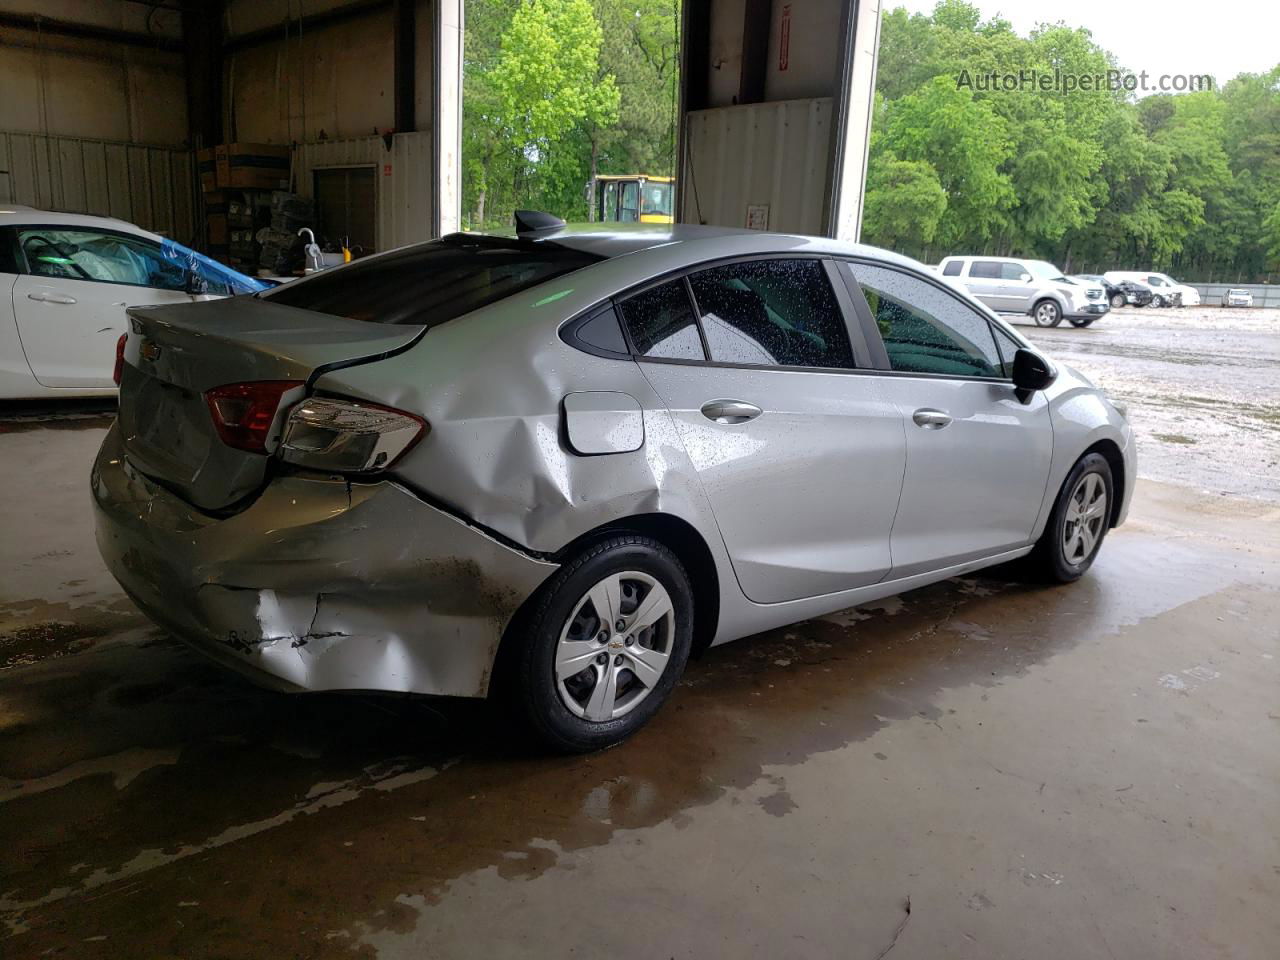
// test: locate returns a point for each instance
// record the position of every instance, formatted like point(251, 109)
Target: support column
point(447, 117)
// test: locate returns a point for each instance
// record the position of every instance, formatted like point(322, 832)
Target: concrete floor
point(1091, 771)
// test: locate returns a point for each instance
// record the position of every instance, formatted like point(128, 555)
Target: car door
point(70, 298)
point(983, 281)
point(1016, 288)
point(977, 456)
point(800, 452)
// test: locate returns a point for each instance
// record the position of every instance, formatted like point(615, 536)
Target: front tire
point(1079, 522)
point(1117, 301)
point(1081, 321)
point(604, 645)
point(1158, 302)
point(1046, 313)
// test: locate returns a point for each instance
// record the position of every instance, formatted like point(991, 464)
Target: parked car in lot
point(1237, 298)
point(549, 467)
point(1166, 291)
point(66, 282)
point(1124, 293)
point(1032, 287)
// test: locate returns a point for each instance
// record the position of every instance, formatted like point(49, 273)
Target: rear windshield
point(431, 283)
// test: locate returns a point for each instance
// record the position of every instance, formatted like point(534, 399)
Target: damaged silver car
point(549, 467)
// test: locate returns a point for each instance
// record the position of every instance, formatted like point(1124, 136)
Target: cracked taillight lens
point(347, 436)
point(243, 413)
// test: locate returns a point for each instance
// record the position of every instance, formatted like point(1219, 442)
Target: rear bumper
point(318, 585)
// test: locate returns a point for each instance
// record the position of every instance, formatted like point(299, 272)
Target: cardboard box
point(208, 171)
point(217, 230)
point(251, 166)
point(216, 201)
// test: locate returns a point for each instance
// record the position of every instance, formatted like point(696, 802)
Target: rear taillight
point(119, 368)
point(243, 413)
point(348, 436)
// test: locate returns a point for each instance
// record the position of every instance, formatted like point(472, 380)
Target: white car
point(65, 281)
point(1237, 298)
point(1168, 292)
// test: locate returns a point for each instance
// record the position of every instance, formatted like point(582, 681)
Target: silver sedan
point(549, 467)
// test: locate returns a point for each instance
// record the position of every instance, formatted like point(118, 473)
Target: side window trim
point(569, 333)
point(863, 349)
point(869, 322)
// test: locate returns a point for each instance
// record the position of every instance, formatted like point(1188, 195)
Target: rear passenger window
point(925, 329)
point(774, 312)
point(952, 269)
point(661, 325)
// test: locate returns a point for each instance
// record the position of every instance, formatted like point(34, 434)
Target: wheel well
point(1115, 460)
point(686, 543)
point(1047, 299)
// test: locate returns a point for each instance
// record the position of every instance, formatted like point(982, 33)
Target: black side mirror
point(1031, 372)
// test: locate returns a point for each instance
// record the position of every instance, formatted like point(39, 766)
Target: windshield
point(430, 283)
point(1043, 270)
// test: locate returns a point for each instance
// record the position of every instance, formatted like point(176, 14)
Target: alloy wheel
point(615, 646)
point(1085, 519)
point(1046, 314)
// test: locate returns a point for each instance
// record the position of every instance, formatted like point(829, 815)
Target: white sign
point(757, 216)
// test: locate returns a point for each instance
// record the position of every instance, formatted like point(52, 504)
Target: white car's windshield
point(1043, 270)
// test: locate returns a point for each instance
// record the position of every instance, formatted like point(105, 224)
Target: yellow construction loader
point(634, 198)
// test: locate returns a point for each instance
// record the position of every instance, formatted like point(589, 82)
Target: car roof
point(699, 242)
point(17, 214)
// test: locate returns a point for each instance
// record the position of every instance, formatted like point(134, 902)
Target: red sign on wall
point(784, 39)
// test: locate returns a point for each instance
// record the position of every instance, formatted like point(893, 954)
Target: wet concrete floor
point(1090, 771)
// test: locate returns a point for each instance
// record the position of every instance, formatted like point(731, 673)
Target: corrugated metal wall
point(404, 180)
point(762, 154)
point(153, 187)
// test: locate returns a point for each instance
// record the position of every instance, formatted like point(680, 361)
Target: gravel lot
point(1201, 385)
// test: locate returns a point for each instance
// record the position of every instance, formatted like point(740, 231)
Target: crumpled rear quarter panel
point(318, 584)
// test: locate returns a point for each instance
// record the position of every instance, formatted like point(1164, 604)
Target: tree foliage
point(556, 89)
point(1093, 178)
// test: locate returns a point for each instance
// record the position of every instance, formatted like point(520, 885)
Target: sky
point(1224, 38)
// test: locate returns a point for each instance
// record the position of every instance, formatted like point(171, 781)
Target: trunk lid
point(175, 353)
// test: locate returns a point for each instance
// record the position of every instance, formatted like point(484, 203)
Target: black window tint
point(430, 283)
point(925, 329)
point(985, 269)
point(661, 325)
point(603, 332)
point(952, 269)
point(772, 313)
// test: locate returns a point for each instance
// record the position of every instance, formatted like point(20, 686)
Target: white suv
point(1034, 288)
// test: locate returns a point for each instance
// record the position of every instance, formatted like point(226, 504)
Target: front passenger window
point(925, 330)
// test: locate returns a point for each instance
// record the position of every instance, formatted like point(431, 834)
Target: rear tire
point(1046, 313)
point(584, 679)
point(1079, 522)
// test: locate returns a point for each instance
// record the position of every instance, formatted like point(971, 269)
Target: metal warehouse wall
point(771, 154)
point(405, 191)
point(153, 187)
point(77, 87)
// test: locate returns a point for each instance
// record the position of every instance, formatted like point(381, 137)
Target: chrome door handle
point(930, 419)
point(51, 297)
point(730, 411)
